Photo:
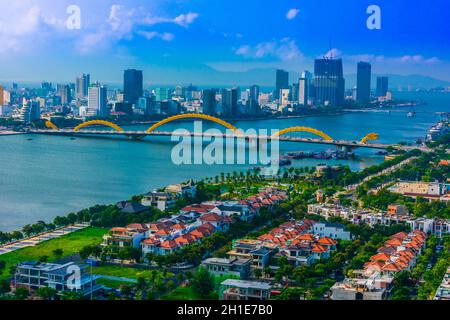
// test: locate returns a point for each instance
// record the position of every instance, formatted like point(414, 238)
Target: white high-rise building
point(97, 100)
point(304, 88)
point(284, 96)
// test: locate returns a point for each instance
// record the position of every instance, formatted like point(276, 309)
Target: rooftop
point(246, 284)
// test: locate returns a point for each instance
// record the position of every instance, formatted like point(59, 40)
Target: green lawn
point(126, 272)
point(70, 244)
point(186, 293)
point(110, 283)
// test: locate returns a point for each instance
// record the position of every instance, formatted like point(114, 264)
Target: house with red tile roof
point(129, 236)
point(168, 246)
point(375, 280)
point(220, 223)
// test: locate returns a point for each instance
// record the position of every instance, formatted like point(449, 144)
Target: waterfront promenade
point(10, 133)
point(45, 236)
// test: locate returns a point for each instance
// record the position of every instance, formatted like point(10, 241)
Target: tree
point(141, 283)
point(171, 285)
point(58, 253)
point(180, 277)
point(71, 295)
point(2, 266)
point(21, 294)
point(4, 287)
point(46, 293)
point(203, 282)
point(257, 273)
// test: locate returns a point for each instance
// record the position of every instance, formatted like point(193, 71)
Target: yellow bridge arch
point(98, 122)
point(51, 125)
point(195, 116)
point(303, 129)
point(370, 137)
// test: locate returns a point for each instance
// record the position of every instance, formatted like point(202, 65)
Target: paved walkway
point(35, 240)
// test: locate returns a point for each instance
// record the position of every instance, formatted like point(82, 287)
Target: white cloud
point(292, 14)
point(332, 53)
point(124, 23)
point(29, 24)
point(185, 20)
point(149, 35)
point(415, 59)
point(121, 20)
point(20, 20)
point(284, 49)
point(243, 50)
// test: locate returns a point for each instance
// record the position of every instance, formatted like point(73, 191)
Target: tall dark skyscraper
point(363, 82)
point(209, 101)
point(133, 86)
point(382, 86)
point(230, 102)
point(253, 107)
point(254, 92)
point(329, 82)
point(282, 82)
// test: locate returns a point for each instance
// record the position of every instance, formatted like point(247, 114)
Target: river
point(49, 176)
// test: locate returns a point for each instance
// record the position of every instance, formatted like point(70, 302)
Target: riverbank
point(10, 133)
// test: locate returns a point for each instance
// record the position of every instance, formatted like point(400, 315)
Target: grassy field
point(70, 244)
point(113, 284)
point(186, 293)
point(126, 272)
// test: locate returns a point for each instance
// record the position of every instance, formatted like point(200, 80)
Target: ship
point(437, 130)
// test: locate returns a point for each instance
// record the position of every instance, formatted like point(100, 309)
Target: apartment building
point(228, 267)
point(232, 289)
point(33, 275)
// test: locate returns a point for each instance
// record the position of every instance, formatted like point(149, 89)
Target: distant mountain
point(396, 81)
point(265, 77)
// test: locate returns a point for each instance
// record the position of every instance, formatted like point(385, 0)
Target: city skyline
point(193, 41)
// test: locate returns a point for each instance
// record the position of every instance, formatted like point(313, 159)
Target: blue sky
point(210, 41)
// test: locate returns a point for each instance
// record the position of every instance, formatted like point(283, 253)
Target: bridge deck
point(142, 134)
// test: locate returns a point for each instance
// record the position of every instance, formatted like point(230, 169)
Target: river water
point(49, 176)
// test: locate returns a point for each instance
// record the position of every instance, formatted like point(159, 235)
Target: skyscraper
point(304, 88)
point(363, 82)
point(229, 102)
point(329, 82)
point(294, 92)
point(282, 82)
point(30, 111)
point(97, 100)
point(254, 92)
point(209, 101)
point(133, 85)
point(2, 93)
point(63, 91)
point(82, 86)
point(253, 107)
point(382, 86)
